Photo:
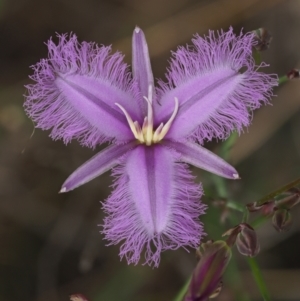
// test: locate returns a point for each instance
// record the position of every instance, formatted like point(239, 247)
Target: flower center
point(146, 133)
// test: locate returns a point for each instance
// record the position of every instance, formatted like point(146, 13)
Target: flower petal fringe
point(123, 223)
point(47, 105)
point(212, 59)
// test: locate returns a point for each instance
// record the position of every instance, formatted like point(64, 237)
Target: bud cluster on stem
point(279, 210)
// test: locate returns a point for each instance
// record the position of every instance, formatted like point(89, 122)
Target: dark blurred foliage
point(50, 245)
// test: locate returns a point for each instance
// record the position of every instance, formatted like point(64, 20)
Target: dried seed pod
point(294, 73)
point(282, 220)
point(245, 238)
point(247, 242)
point(266, 208)
point(288, 202)
point(263, 38)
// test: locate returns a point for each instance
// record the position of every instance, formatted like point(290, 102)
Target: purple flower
point(83, 92)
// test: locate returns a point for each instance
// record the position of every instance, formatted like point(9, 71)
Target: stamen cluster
point(146, 134)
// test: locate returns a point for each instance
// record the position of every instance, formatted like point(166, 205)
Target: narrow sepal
point(141, 66)
point(97, 165)
point(155, 205)
point(201, 157)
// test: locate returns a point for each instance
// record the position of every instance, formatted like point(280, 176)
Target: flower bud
point(294, 73)
point(206, 278)
point(263, 39)
point(288, 202)
point(247, 242)
point(282, 220)
point(266, 208)
point(294, 190)
point(245, 238)
point(78, 297)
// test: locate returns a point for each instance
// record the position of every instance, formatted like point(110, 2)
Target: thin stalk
point(232, 274)
point(257, 56)
point(233, 277)
point(182, 292)
point(228, 144)
point(222, 192)
point(236, 206)
point(279, 191)
point(282, 79)
point(259, 221)
point(258, 277)
point(245, 216)
point(220, 186)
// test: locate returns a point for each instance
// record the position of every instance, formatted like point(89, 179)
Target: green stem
point(182, 291)
point(258, 277)
point(236, 206)
point(232, 276)
point(220, 186)
point(222, 192)
point(228, 144)
point(283, 79)
point(259, 221)
point(257, 56)
point(279, 191)
point(245, 216)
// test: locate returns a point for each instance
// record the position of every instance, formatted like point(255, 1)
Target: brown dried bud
point(263, 39)
point(253, 207)
point(294, 190)
point(245, 238)
point(247, 242)
point(232, 235)
point(294, 73)
point(266, 208)
point(78, 297)
point(282, 220)
point(288, 202)
point(206, 278)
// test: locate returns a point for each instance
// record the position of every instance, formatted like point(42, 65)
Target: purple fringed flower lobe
point(214, 95)
point(145, 210)
point(84, 92)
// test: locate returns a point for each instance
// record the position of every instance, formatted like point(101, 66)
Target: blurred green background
point(50, 245)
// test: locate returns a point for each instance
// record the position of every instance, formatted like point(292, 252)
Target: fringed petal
point(216, 84)
point(97, 165)
point(76, 90)
point(155, 205)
